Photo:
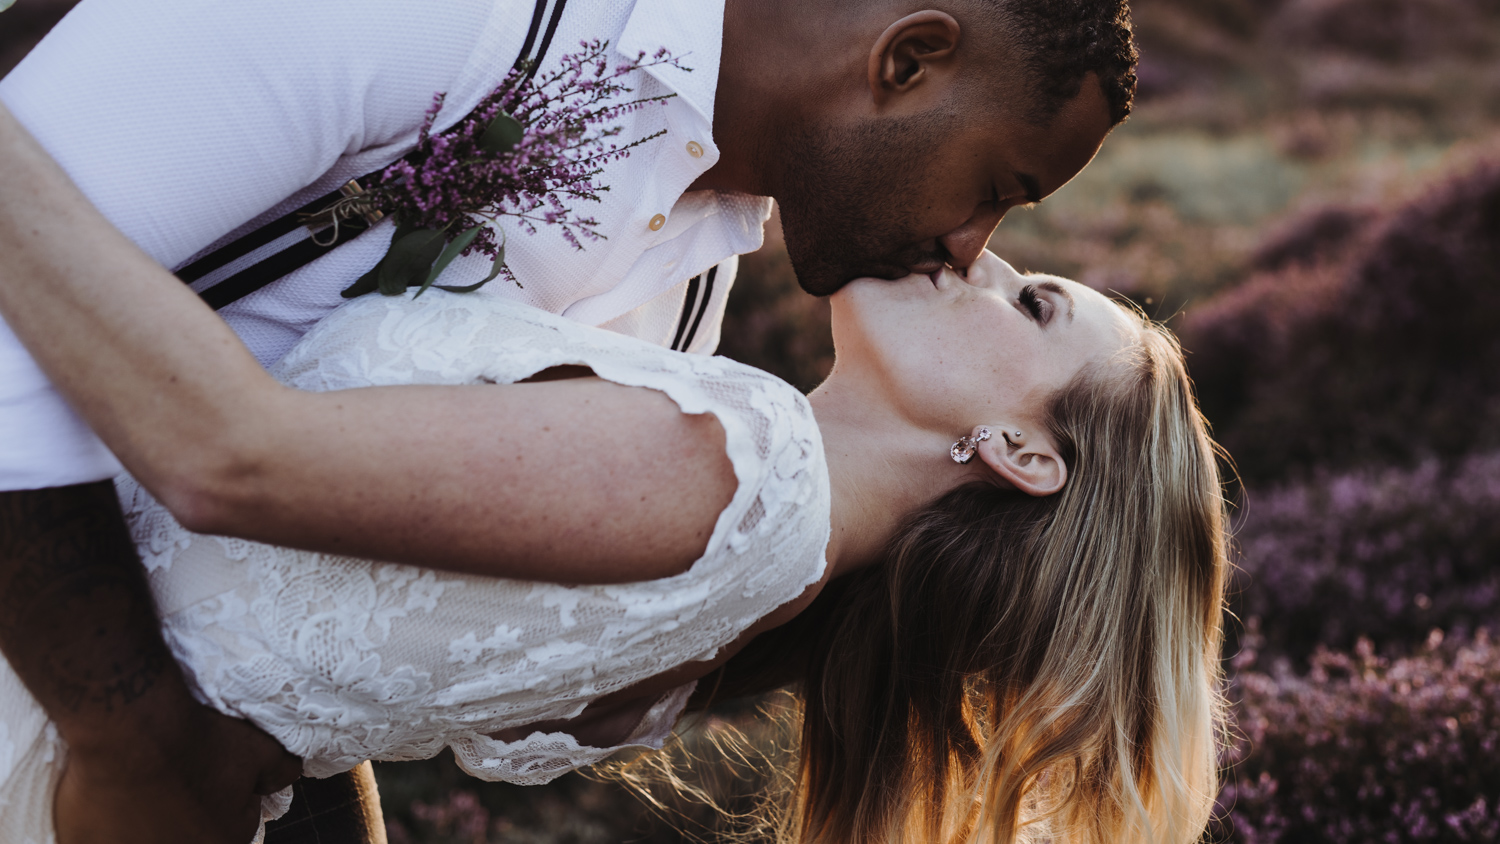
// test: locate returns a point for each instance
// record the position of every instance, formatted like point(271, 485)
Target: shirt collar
point(693, 30)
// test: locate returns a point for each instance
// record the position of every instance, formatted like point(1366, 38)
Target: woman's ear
point(1031, 464)
point(905, 54)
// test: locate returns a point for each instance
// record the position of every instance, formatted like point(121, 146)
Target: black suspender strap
point(541, 52)
point(262, 273)
point(536, 23)
point(688, 302)
point(303, 252)
point(693, 309)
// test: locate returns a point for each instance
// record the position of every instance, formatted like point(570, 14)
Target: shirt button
point(695, 149)
point(657, 222)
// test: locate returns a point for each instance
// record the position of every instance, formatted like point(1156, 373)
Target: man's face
point(886, 198)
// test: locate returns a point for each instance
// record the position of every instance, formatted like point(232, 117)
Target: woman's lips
point(945, 278)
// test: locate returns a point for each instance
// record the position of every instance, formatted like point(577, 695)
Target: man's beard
point(847, 196)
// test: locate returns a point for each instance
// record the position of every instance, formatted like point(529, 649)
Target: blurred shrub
point(433, 801)
point(1390, 355)
point(1204, 179)
point(1362, 749)
point(1192, 44)
point(1162, 218)
point(1319, 235)
point(710, 783)
point(1384, 30)
point(1384, 555)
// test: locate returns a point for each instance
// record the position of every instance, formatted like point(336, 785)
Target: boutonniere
point(530, 150)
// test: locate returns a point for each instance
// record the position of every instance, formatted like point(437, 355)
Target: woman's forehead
point(1114, 323)
point(1089, 299)
point(1102, 310)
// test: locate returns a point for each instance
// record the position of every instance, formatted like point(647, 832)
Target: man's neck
point(739, 104)
point(775, 71)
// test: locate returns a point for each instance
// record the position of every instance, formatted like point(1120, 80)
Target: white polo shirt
point(189, 122)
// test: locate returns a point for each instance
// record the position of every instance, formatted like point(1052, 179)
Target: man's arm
point(146, 763)
point(578, 480)
point(182, 120)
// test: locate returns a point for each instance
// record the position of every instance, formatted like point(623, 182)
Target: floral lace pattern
point(343, 660)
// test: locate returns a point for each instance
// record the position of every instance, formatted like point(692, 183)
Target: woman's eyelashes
point(1039, 308)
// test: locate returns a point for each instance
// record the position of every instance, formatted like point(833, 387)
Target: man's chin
point(827, 279)
point(821, 285)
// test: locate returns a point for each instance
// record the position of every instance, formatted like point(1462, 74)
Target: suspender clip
point(353, 202)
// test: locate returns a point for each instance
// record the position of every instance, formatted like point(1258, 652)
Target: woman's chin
point(870, 313)
point(900, 287)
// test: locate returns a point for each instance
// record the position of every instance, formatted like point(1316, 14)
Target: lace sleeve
point(343, 660)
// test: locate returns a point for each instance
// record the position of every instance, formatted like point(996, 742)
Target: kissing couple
point(539, 522)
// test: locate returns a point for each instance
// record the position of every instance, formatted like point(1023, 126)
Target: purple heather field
point(1309, 193)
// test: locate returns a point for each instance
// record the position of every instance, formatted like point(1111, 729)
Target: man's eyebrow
point(1054, 287)
point(1032, 187)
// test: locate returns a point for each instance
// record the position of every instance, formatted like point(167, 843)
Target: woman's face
point(949, 352)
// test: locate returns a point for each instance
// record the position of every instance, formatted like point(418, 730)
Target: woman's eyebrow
point(1054, 287)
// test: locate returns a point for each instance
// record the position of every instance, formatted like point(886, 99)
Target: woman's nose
point(966, 243)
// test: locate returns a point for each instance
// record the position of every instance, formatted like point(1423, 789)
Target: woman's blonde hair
point(1026, 668)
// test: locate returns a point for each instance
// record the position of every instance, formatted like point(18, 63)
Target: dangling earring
point(963, 450)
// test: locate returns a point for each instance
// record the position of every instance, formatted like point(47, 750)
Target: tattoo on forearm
point(77, 620)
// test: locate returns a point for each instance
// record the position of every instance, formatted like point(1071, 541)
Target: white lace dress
point(343, 660)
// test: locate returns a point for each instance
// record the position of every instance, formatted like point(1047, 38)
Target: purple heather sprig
point(529, 150)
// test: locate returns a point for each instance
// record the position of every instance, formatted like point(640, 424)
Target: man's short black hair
point(1062, 41)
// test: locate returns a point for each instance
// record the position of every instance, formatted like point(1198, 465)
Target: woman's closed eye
point(1039, 308)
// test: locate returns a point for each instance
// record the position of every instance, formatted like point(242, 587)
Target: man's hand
point(146, 762)
point(202, 784)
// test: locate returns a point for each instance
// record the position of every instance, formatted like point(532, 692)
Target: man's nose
point(966, 243)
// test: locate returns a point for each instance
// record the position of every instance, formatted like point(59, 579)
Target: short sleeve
point(431, 659)
point(183, 119)
point(43, 443)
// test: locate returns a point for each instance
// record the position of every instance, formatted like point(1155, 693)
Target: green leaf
point(502, 135)
point(467, 288)
point(450, 252)
point(498, 265)
point(367, 283)
point(470, 288)
point(409, 260)
point(370, 281)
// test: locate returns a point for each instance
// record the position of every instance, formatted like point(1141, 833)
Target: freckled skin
point(989, 359)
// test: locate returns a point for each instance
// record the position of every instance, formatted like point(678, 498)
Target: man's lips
point(897, 271)
point(886, 272)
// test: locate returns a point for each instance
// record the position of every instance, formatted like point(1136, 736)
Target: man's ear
point(1031, 465)
point(906, 53)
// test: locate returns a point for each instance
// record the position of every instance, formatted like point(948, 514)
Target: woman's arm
point(574, 481)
